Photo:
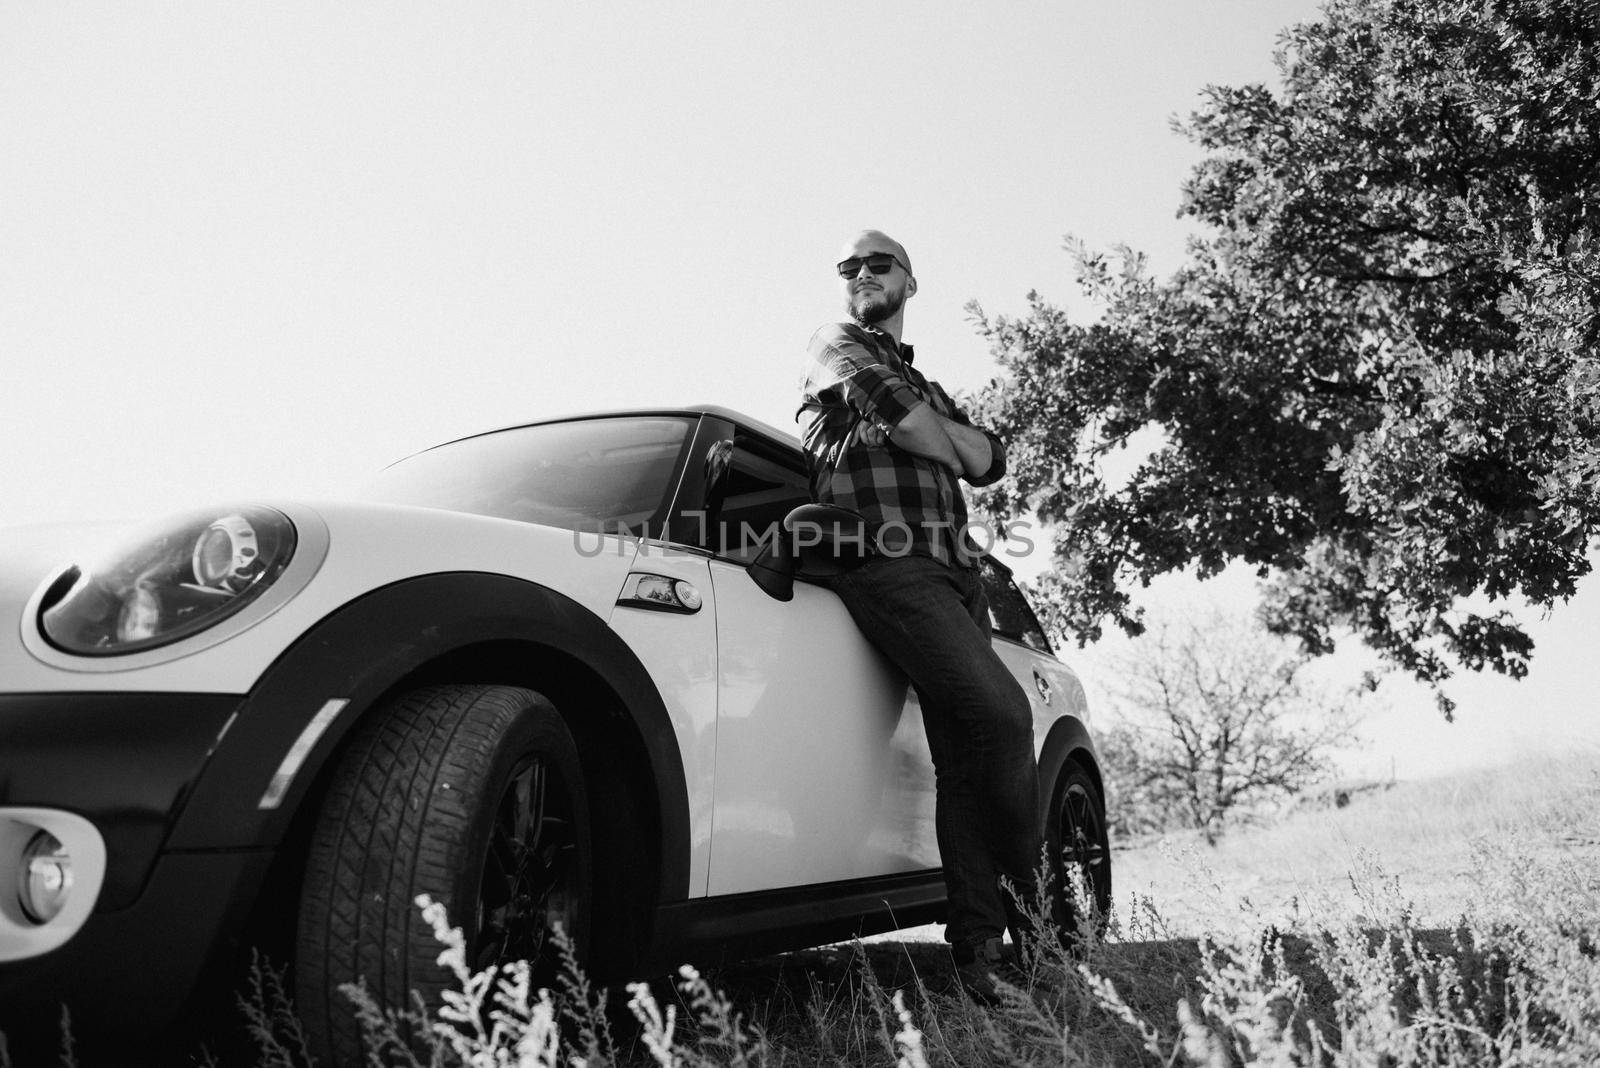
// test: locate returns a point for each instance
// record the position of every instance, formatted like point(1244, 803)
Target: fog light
point(46, 878)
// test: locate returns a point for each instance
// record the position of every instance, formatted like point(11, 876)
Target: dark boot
point(978, 964)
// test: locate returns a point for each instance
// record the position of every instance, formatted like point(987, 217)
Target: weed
point(1336, 976)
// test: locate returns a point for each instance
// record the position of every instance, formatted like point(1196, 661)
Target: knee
point(1010, 718)
point(988, 709)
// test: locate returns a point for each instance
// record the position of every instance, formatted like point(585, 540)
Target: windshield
point(611, 474)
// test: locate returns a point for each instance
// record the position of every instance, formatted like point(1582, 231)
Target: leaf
point(1375, 364)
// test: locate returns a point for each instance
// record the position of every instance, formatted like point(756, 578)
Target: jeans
point(932, 621)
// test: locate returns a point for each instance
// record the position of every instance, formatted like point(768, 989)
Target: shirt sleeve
point(997, 462)
point(842, 369)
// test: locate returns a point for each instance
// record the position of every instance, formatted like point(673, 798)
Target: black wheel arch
point(458, 626)
point(1067, 739)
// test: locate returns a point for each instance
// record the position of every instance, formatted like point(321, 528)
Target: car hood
point(368, 546)
point(30, 554)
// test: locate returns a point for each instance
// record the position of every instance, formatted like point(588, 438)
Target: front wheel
point(471, 794)
point(1080, 851)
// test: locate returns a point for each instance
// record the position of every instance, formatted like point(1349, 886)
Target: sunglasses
point(877, 263)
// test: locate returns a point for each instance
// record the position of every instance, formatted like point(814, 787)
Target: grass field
point(1454, 921)
point(1450, 922)
point(1426, 834)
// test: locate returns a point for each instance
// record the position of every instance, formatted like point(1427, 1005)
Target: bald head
point(875, 273)
point(869, 241)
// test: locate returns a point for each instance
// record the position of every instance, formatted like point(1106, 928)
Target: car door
point(821, 773)
point(1053, 690)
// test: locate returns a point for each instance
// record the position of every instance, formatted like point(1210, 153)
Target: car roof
point(715, 410)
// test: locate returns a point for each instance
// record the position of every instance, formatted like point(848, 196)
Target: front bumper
point(118, 769)
point(125, 765)
point(130, 972)
point(125, 762)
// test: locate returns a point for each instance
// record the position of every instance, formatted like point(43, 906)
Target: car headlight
point(168, 581)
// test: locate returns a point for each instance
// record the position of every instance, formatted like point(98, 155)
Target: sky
point(255, 249)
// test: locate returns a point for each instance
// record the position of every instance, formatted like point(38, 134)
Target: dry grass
point(1454, 922)
point(1422, 833)
point(1446, 923)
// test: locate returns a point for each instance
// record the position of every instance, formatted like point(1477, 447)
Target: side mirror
point(815, 541)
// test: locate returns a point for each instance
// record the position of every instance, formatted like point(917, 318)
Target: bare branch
point(1220, 718)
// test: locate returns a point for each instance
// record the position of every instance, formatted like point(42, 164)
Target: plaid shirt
point(912, 505)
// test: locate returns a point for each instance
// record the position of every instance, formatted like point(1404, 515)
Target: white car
point(527, 673)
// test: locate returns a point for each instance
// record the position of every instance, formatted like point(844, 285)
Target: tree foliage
point(1218, 717)
point(1375, 374)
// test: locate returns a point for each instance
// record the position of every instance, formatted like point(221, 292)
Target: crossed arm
point(924, 432)
point(894, 412)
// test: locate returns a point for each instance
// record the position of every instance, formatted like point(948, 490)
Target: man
point(883, 440)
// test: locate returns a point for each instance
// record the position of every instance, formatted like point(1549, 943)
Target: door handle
point(661, 593)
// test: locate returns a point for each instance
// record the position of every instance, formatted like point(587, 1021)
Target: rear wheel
point(1080, 851)
point(471, 794)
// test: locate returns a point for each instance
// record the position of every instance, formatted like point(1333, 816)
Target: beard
point(874, 305)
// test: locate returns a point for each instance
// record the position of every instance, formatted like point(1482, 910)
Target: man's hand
point(870, 433)
point(971, 445)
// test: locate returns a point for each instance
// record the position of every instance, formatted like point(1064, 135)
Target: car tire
point(437, 793)
point(1079, 848)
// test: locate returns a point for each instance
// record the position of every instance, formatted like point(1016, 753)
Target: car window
point(611, 474)
point(760, 484)
point(1009, 612)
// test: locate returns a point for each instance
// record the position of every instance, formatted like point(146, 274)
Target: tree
point(1375, 374)
point(1217, 717)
